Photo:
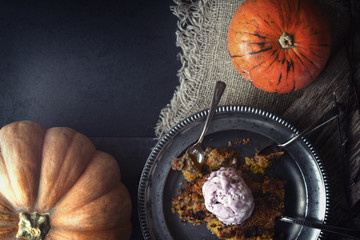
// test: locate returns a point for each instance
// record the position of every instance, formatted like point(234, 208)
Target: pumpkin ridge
point(289, 65)
point(7, 173)
point(260, 51)
point(56, 172)
point(253, 34)
point(8, 215)
point(254, 25)
point(58, 218)
point(313, 52)
point(64, 190)
point(303, 55)
point(5, 203)
point(98, 197)
point(71, 228)
point(274, 31)
point(84, 205)
point(296, 13)
point(119, 231)
point(316, 55)
point(276, 50)
point(257, 65)
point(261, 44)
point(281, 15)
point(276, 58)
point(298, 58)
point(66, 194)
point(67, 153)
point(38, 131)
point(93, 159)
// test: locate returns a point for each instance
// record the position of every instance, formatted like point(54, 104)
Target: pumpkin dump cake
point(234, 206)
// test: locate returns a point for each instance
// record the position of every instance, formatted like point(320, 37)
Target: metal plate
point(306, 192)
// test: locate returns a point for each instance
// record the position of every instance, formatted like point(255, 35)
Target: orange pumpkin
point(56, 185)
point(279, 45)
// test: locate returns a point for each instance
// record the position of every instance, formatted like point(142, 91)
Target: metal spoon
point(196, 149)
point(327, 117)
point(354, 233)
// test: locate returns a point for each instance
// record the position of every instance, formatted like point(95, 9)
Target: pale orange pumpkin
point(54, 184)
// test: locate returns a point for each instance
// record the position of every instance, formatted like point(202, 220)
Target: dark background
point(103, 68)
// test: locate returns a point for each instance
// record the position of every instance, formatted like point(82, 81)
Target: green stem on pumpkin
point(286, 40)
point(33, 226)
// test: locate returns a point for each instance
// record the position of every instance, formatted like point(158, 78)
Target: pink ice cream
point(227, 196)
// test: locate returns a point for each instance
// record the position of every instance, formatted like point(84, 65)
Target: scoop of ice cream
point(227, 196)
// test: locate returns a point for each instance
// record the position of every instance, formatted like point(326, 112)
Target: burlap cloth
point(202, 37)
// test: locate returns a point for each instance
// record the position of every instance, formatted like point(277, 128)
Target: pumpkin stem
point(33, 226)
point(286, 40)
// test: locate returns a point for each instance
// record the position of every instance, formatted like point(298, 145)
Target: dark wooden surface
point(342, 164)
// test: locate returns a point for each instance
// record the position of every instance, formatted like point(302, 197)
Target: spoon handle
point(326, 118)
point(218, 92)
point(354, 233)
